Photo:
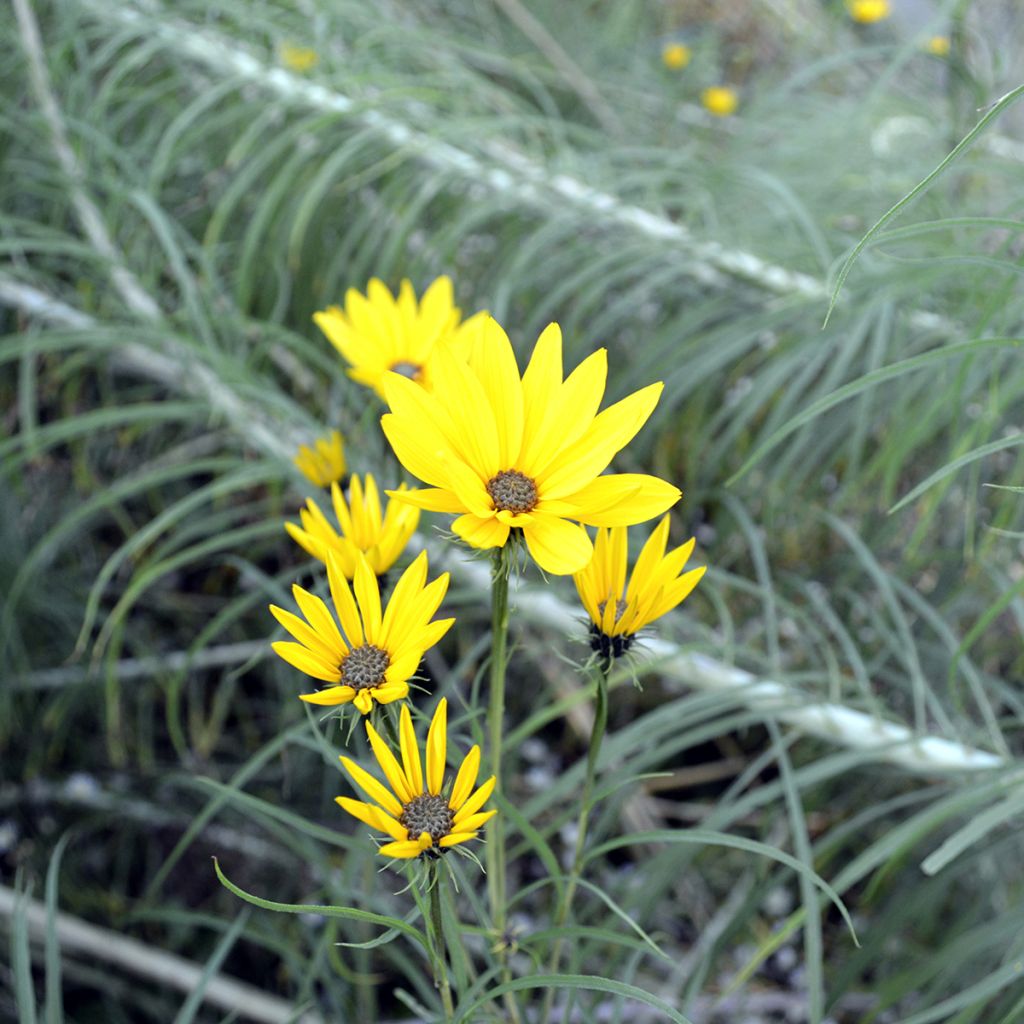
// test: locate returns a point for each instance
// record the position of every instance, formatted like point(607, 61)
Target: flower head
point(378, 332)
point(371, 658)
point(507, 453)
point(938, 46)
point(364, 530)
point(868, 11)
point(298, 58)
point(675, 56)
point(416, 812)
point(720, 100)
point(324, 463)
point(617, 612)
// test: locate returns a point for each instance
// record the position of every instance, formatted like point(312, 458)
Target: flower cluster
point(520, 459)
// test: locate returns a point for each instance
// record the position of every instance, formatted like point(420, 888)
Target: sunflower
point(415, 812)
point(618, 613)
point(378, 653)
point(364, 530)
point(866, 12)
point(508, 454)
point(324, 463)
point(378, 332)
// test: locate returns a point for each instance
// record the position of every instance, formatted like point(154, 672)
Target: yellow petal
point(433, 499)
point(623, 499)
point(437, 738)
point(330, 697)
point(372, 788)
point(481, 533)
point(410, 752)
point(612, 429)
point(474, 821)
point(390, 766)
point(466, 779)
point(320, 619)
point(475, 802)
point(541, 382)
point(401, 851)
point(390, 692)
point(494, 364)
point(427, 462)
point(454, 838)
point(407, 589)
point(306, 635)
point(306, 661)
point(344, 602)
point(363, 700)
point(558, 546)
point(373, 816)
point(368, 596)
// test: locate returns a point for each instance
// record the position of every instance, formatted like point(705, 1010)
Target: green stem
point(437, 942)
point(496, 730)
point(593, 753)
point(495, 850)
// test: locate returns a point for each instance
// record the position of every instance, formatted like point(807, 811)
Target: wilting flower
point(868, 11)
point(720, 100)
point(617, 612)
point(378, 332)
point(505, 453)
point(325, 462)
point(675, 56)
point(364, 530)
point(938, 46)
point(415, 812)
point(372, 657)
point(298, 58)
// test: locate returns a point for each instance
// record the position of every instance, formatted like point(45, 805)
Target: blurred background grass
point(153, 388)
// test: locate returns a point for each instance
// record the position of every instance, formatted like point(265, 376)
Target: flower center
point(407, 369)
point(511, 491)
point(427, 813)
point(364, 666)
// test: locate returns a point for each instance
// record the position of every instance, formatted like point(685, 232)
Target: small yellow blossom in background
point(523, 457)
point(867, 12)
point(298, 58)
point(675, 56)
point(379, 332)
point(415, 812)
point(720, 100)
point(323, 464)
point(938, 46)
point(658, 584)
point(381, 538)
point(378, 653)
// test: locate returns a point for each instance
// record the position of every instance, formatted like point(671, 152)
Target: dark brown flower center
point(406, 369)
point(364, 666)
point(511, 491)
point(427, 813)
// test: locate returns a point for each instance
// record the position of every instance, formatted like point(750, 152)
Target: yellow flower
point(298, 58)
point(618, 613)
point(323, 464)
point(720, 100)
point(508, 454)
point(415, 812)
point(675, 56)
point(378, 332)
point(378, 653)
point(868, 11)
point(938, 46)
point(381, 538)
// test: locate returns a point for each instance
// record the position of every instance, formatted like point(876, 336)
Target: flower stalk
point(586, 802)
point(435, 934)
point(500, 567)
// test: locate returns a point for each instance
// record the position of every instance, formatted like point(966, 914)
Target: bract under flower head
point(507, 453)
point(363, 528)
point(415, 812)
point(379, 332)
point(617, 612)
point(374, 654)
point(324, 463)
